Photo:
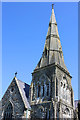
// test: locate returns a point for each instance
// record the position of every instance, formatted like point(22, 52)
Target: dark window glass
point(33, 90)
point(56, 87)
point(45, 52)
point(12, 89)
point(38, 91)
point(47, 89)
point(33, 93)
point(64, 85)
point(43, 90)
point(61, 84)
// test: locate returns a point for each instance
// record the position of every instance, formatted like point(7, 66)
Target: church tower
point(51, 93)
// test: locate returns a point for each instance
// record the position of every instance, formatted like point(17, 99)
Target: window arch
point(56, 87)
point(39, 89)
point(45, 51)
point(33, 90)
point(61, 83)
point(43, 90)
point(67, 111)
point(47, 89)
point(8, 111)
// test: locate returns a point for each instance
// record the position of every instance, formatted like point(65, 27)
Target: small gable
point(16, 98)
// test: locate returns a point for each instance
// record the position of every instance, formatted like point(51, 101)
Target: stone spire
point(52, 52)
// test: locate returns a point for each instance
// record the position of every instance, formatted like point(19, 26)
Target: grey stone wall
point(42, 77)
point(42, 106)
point(65, 94)
point(59, 102)
point(13, 96)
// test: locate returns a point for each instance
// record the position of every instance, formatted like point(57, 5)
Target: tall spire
point(52, 52)
point(52, 24)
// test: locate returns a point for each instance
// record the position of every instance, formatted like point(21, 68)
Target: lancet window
point(43, 90)
point(45, 52)
point(56, 87)
point(39, 90)
point(8, 111)
point(47, 89)
point(33, 92)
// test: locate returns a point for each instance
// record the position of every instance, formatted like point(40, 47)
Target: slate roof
point(24, 91)
point(76, 103)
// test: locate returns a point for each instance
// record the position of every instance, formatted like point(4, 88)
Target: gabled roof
point(24, 91)
point(52, 52)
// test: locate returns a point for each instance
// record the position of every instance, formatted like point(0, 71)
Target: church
point(50, 94)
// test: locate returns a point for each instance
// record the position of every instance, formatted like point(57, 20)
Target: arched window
point(47, 89)
point(67, 111)
point(8, 112)
point(33, 90)
point(45, 51)
point(33, 95)
point(12, 89)
point(64, 86)
point(61, 84)
point(56, 87)
point(43, 90)
point(47, 114)
point(39, 90)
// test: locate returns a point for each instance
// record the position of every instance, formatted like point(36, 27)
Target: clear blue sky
point(24, 29)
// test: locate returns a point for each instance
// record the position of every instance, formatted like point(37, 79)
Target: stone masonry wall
point(13, 96)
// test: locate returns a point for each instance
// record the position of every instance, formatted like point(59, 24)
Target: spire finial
point(15, 74)
point(52, 6)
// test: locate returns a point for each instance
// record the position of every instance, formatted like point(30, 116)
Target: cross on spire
point(15, 74)
point(52, 6)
